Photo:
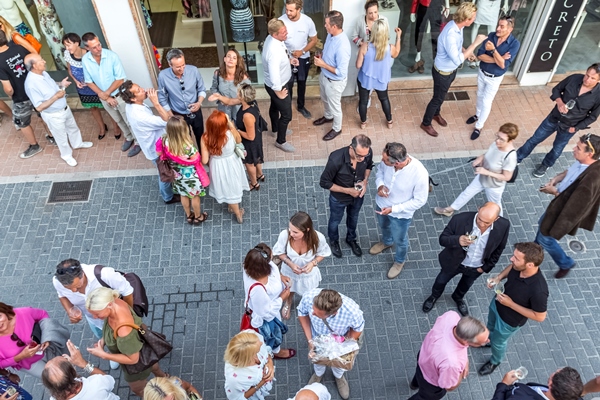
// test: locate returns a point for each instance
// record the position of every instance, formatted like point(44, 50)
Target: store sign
point(555, 34)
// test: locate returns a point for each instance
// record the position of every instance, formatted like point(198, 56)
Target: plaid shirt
point(348, 316)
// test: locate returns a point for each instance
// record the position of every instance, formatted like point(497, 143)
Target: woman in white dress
point(249, 367)
point(301, 249)
point(227, 174)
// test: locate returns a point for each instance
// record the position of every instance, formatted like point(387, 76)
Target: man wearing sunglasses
point(576, 202)
point(577, 99)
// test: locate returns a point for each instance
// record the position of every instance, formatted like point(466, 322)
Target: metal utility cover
point(461, 96)
point(63, 192)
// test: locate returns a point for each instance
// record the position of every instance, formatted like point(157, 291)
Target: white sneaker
point(71, 161)
point(85, 145)
point(114, 365)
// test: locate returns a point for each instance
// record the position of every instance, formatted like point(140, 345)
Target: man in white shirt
point(278, 81)
point(302, 37)
point(402, 188)
point(147, 127)
point(49, 99)
point(314, 391)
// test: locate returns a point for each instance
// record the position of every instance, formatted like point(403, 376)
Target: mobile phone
point(11, 391)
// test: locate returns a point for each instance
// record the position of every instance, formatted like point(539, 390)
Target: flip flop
point(292, 353)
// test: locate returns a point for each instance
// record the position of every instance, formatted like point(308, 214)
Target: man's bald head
point(490, 209)
point(306, 394)
point(31, 60)
point(59, 378)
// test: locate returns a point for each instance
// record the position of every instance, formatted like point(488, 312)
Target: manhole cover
point(576, 246)
point(62, 192)
point(461, 96)
point(450, 96)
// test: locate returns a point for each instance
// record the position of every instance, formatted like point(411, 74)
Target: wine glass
point(569, 105)
point(491, 279)
point(521, 373)
point(499, 288)
point(191, 115)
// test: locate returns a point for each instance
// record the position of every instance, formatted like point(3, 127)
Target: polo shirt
point(529, 292)
point(336, 53)
point(298, 33)
point(104, 74)
point(40, 88)
point(339, 171)
point(449, 51)
point(510, 45)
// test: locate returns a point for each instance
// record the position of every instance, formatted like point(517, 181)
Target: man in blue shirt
point(334, 72)
point(450, 56)
point(496, 54)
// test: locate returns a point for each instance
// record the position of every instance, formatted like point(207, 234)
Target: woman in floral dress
point(191, 179)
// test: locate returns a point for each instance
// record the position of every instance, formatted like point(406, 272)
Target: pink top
point(24, 319)
point(443, 359)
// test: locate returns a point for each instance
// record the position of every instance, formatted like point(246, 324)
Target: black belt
point(333, 80)
point(490, 75)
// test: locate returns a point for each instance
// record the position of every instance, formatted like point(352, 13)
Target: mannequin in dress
point(52, 29)
point(424, 13)
point(488, 12)
point(11, 10)
point(242, 21)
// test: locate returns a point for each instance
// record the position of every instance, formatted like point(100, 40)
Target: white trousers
point(120, 117)
point(320, 370)
point(331, 95)
point(63, 127)
point(486, 91)
point(493, 194)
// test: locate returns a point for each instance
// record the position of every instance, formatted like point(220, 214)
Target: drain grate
point(458, 96)
point(62, 192)
point(576, 246)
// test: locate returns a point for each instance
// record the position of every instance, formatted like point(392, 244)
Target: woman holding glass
point(300, 248)
point(363, 28)
point(492, 170)
point(226, 82)
point(247, 123)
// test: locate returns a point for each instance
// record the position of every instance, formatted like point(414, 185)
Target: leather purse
point(247, 316)
point(155, 348)
point(165, 171)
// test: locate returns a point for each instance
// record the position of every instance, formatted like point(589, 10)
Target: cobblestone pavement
point(193, 276)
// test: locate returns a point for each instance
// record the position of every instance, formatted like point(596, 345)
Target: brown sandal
point(190, 218)
point(198, 221)
point(255, 186)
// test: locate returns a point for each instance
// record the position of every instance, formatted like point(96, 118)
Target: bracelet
point(89, 368)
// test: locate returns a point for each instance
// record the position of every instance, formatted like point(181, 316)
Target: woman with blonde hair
point(121, 339)
point(177, 146)
point(247, 123)
point(249, 367)
point(226, 82)
point(226, 170)
point(171, 388)
point(374, 61)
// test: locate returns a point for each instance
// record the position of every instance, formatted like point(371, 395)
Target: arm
point(592, 386)
point(234, 132)
point(361, 54)
point(45, 104)
point(328, 175)
point(551, 186)
point(466, 53)
point(355, 35)
point(504, 176)
point(204, 151)
point(30, 21)
point(20, 40)
point(395, 48)
point(128, 299)
point(249, 123)
point(114, 86)
point(163, 94)
point(201, 89)
point(449, 236)
point(8, 89)
point(305, 324)
point(153, 97)
point(312, 42)
point(524, 311)
point(75, 358)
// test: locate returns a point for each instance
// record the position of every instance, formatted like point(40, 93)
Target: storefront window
point(584, 47)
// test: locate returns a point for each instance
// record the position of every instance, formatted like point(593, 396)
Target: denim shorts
point(22, 114)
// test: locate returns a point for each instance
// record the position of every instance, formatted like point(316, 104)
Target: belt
point(489, 75)
point(54, 112)
point(444, 72)
point(333, 80)
point(182, 115)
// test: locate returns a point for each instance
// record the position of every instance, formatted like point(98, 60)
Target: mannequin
point(53, 30)
point(11, 10)
point(487, 14)
point(242, 21)
point(424, 13)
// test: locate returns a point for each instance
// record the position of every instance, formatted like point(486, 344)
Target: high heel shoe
point(256, 186)
point(261, 178)
point(100, 137)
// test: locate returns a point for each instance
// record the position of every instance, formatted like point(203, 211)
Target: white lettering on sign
point(557, 30)
point(551, 42)
point(562, 17)
point(567, 6)
point(546, 56)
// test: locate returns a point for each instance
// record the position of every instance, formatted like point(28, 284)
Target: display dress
point(487, 12)
point(52, 30)
point(242, 21)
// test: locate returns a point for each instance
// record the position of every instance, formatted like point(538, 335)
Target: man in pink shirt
point(443, 361)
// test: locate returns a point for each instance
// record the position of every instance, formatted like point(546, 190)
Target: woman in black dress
point(248, 124)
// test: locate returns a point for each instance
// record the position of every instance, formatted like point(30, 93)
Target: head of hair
point(594, 140)
point(247, 92)
point(179, 139)
point(159, 388)
point(566, 384)
point(361, 140)
point(68, 276)
point(7, 310)
point(71, 37)
point(240, 68)
point(396, 152)
point(532, 252)
point(125, 92)
point(174, 53)
point(335, 18)
point(595, 67)
point(8, 29)
point(88, 37)
point(380, 33)
point(3, 40)
point(511, 130)
point(60, 378)
point(274, 26)
point(464, 12)
point(510, 21)
point(328, 300)
point(371, 3)
point(257, 261)
point(100, 298)
point(241, 349)
point(215, 136)
point(468, 328)
point(299, 3)
point(304, 224)
point(31, 59)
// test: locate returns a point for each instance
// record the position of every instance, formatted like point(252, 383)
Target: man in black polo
point(345, 176)
point(525, 296)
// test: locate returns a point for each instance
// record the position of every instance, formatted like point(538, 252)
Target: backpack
point(140, 299)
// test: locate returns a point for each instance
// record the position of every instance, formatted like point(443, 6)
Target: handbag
point(515, 171)
point(155, 347)
point(31, 40)
point(240, 150)
point(165, 171)
point(247, 316)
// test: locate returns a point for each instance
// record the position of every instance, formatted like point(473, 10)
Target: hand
point(480, 38)
point(572, 129)
point(481, 171)
point(364, 46)
point(98, 349)
point(80, 84)
point(74, 356)
point(489, 46)
point(472, 58)
point(480, 270)
point(318, 61)
point(505, 300)
point(353, 192)
point(549, 189)
point(466, 371)
point(562, 108)
point(464, 241)
point(297, 53)
point(398, 31)
point(383, 191)
point(65, 82)
point(492, 282)
point(112, 102)
point(282, 94)
point(152, 95)
point(75, 320)
point(14, 378)
point(44, 346)
point(104, 96)
point(286, 280)
point(506, 55)
point(311, 349)
point(60, 94)
point(308, 268)
point(510, 378)
point(5, 396)
point(194, 107)
point(28, 352)
point(214, 97)
point(384, 211)
point(294, 61)
point(413, 17)
point(285, 293)
point(269, 375)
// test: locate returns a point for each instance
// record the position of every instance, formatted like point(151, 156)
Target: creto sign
point(554, 36)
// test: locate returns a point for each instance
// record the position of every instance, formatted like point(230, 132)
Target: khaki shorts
point(22, 114)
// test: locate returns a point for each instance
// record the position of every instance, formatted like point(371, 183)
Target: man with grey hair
point(181, 91)
point(402, 188)
point(48, 98)
point(443, 359)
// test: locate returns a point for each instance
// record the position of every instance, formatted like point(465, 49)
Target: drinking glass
point(318, 54)
point(191, 114)
point(358, 185)
point(521, 373)
point(75, 312)
point(295, 63)
point(92, 343)
point(499, 288)
point(570, 104)
point(491, 279)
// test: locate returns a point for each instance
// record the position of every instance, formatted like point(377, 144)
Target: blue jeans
point(500, 332)
point(543, 131)
point(336, 213)
point(166, 189)
point(395, 231)
point(553, 248)
point(95, 330)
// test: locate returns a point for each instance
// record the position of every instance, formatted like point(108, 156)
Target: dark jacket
point(453, 254)
point(575, 207)
point(518, 391)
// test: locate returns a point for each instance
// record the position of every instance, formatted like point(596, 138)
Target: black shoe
point(487, 368)
point(335, 248)
point(305, 113)
point(428, 305)
point(475, 134)
point(412, 387)
point(355, 247)
point(540, 171)
point(462, 307)
point(472, 119)
point(175, 199)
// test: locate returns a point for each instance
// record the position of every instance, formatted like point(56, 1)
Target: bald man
point(49, 98)
point(314, 391)
point(473, 243)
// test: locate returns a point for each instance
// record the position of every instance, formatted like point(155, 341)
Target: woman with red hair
point(227, 175)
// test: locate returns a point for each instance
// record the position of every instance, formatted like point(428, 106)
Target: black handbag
point(155, 348)
point(515, 171)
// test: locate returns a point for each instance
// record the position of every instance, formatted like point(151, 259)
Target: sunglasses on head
point(586, 138)
point(70, 270)
point(262, 252)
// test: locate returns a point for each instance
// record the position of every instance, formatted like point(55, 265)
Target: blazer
point(518, 391)
point(453, 254)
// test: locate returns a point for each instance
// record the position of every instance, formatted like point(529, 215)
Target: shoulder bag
point(247, 316)
point(155, 347)
point(515, 171)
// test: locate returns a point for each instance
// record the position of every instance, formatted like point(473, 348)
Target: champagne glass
point(499, 288)
point(191, 115)
point(521, 373)
point(491, 279)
